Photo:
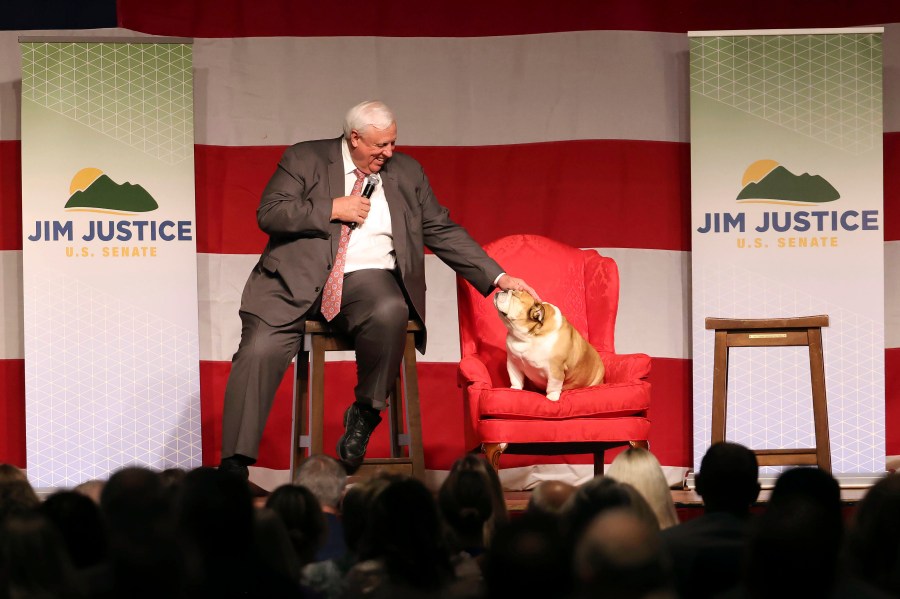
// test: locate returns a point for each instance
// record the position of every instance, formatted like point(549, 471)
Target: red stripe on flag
point(12, 412)
point(465, 18)
point(10, 195)
point(892, 401)
point(891, 187)
point(645, 188)
point(595, 193)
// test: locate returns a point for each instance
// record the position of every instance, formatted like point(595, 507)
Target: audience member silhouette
point(16, 493)
point(873, 547)
point(326, 478)
point(707, 552)
point(78, 520)
point(549, 497)
point(402, 551)
point(620, 557)
point(33, 559)
point(599, 494)
point(639, 468)
point(472, 504)
point(299, 509)
point(794, 549)
point(273, 545)
point(144, 558)
point(528, 559)
point(91, 489)
point(329, 577)
point(215, 518)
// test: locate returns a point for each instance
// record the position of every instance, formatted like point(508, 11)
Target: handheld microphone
point(368, 190)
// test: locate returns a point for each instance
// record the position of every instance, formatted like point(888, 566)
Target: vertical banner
point(109, 258)
point(787, 218)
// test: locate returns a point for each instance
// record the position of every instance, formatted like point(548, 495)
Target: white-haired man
point(311, 202)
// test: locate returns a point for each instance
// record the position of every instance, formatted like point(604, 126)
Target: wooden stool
point(307, 430)
point(774, 332)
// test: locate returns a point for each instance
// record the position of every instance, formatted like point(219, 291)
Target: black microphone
point(368, 190)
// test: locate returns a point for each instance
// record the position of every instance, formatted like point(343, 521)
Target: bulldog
point(544, 347)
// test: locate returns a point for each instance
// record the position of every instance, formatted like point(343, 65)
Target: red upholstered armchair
point(585, 286)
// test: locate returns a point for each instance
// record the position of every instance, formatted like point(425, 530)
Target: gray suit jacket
point(295, 211)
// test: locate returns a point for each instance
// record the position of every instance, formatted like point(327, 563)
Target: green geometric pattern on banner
point(139, 94)
point(824, 86)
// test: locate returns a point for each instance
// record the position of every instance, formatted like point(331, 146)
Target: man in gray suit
point(314, 192)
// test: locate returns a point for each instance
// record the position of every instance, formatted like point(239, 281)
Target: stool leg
point(820, 402)
point(395, 425)
point(720, 386)
point(411, 401)
point(317, 396)
point(301, 411)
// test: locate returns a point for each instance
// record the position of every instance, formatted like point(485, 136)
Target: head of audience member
point(91, 489)
point(620, 557)
point(172, 477)
point(728, 480)
point(640, 469)
point(78, 519)
point(874, 541)
point(302, 515)
point(273, 544)
point(794, 548)
point(143, 550)
point(528, 557)
point(326, 478)
point(33, 558)
point(356, 506)
point(214, 514)
point(549, 497)
point(404, 531)
point(8, 473)
point(471, 501)
point(16, 493)
point(599, 494)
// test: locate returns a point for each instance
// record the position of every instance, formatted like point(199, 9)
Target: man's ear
point(537, 313)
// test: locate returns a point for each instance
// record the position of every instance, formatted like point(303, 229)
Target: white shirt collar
point(349, 167)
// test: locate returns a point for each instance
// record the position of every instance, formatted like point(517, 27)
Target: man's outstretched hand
point(509, 283)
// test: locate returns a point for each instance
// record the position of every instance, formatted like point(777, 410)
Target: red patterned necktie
point(331, 296)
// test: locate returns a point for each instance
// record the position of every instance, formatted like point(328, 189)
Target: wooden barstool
point(307, 430)
point(774, 332)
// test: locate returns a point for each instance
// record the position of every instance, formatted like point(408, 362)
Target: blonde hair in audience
point(640, 469)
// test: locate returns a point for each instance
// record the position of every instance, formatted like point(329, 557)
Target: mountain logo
point(767, 182)
point(93, 191)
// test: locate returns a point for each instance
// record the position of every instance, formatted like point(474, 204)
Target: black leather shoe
point(235, 466)
point(359, 422)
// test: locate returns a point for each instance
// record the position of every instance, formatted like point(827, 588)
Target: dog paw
point(553, 396)
point(517, 387)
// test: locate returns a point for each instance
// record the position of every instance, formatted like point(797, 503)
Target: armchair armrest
point(621, 368)
point(473, 371)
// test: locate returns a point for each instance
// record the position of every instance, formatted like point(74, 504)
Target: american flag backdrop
point(568, 120)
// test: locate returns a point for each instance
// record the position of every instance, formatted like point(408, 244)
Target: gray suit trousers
point(374, 313)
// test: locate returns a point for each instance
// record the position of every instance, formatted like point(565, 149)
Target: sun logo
point(83, 179)
point(756, 172)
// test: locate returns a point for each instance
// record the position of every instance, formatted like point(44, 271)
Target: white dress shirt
point(371, 243)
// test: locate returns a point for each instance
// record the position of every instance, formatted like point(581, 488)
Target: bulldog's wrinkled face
point(519, 309)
